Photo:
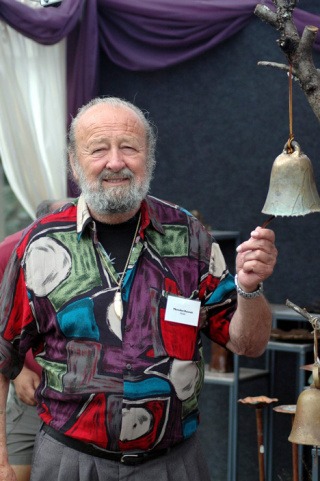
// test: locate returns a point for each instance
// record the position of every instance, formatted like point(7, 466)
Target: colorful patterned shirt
point(120, 385)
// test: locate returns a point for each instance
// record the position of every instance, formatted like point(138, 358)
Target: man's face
point(111, 163)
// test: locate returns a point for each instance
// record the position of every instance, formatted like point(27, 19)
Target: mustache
point(122, 174)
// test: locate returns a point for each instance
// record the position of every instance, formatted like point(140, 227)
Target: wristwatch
point(248, 295)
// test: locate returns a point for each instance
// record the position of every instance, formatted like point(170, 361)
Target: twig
point(314, 320)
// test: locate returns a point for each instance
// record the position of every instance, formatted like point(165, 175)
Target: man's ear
point(72, 162)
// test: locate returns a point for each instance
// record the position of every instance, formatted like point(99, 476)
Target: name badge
point(183, 311)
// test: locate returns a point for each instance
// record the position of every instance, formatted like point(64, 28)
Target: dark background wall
point(222, 120)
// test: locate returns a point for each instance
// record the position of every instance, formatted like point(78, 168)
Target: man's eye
point(98, 151)
point(128, 148)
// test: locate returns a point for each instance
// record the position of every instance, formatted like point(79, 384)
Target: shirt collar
point(83, 215)
point(148, 216)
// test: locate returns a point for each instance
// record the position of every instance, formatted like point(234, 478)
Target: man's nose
point(115, 160)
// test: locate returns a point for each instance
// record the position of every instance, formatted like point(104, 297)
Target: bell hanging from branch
point(306, 423)
point(292, 188)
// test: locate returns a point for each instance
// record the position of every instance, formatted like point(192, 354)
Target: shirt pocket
point(171, 338)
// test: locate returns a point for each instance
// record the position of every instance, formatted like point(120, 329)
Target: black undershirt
point(117, 239)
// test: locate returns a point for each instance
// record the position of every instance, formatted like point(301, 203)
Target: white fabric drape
point(33, 117)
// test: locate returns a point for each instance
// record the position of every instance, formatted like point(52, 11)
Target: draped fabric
point(32, 113)
point(154, 35)
point(142, 35)
point(74, 19)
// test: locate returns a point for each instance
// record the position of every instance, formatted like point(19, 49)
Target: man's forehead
point(111, 117)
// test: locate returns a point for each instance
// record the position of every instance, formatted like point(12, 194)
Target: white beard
point(112, 200)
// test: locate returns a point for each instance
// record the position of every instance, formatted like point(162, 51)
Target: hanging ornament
point(292, 189)
point(117, 304)
point(305, 428)
point(117, 299)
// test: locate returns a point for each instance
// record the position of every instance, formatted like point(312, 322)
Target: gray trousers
point(22, 426)
point(54, 461)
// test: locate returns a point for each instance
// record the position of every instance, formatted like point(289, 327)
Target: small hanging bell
point(292, 189)
point(306, 423)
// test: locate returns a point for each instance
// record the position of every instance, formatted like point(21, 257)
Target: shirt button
point(129, 366)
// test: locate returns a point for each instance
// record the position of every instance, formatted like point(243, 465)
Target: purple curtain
point(82, 58)
point(150, 35)
point(44, 25)
point(140, 35)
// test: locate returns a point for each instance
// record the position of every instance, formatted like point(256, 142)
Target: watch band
point(248, 295)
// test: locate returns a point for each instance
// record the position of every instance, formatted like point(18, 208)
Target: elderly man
point(111, 293)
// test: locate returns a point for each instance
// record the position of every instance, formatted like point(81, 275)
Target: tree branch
point(298, 51)
point(280, 66)
point(267, 15)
